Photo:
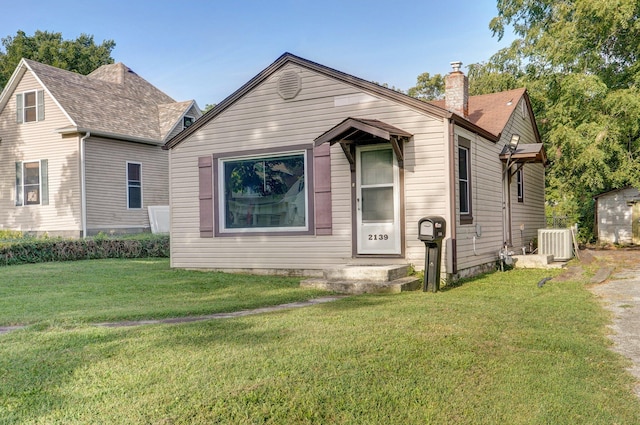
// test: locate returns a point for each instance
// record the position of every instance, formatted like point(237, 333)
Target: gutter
point(83, 185)
point(107, 135)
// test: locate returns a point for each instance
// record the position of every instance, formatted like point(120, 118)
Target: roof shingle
point(113, 99)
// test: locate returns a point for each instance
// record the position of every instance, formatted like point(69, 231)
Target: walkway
point(321, 300)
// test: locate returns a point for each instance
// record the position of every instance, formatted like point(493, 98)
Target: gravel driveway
point(620, 294)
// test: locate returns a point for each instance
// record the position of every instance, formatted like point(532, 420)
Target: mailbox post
point(431, 230)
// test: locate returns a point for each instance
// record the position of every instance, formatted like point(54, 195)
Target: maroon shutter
point(322, 188)
point(205, 177)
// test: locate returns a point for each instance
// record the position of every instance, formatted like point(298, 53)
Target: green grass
point(495, 350)
point(68, 293)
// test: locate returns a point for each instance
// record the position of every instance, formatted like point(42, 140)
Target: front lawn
point(117, 289)
point(496, 350)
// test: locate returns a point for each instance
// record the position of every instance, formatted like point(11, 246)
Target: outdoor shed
point(306, 168)
point(618, 216)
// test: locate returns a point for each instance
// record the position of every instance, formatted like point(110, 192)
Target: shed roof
point(529, 152)
point(354, 128)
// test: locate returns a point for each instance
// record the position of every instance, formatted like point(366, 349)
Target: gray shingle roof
point(112, 100)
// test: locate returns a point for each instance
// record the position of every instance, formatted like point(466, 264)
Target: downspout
point(83, 185)
point(452, 198)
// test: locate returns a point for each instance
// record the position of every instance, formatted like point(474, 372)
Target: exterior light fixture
point(513, 143)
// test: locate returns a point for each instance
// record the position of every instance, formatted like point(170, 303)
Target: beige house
point(306, 168)
point(83, 154)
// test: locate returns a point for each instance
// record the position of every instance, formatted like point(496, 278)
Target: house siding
point(106, 178)
point(263, 120)
point(478, 243)
point(527, 215)
point(33, 141)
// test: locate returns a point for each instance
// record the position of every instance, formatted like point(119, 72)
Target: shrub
point(32, 250)
point(7, 235)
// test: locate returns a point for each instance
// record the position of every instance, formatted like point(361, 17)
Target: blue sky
point(206, 49)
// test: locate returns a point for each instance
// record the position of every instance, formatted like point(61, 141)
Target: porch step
point(357, 279)
point(373, 273)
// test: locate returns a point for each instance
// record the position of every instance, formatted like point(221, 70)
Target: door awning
point(354, 131)
point(525, 153)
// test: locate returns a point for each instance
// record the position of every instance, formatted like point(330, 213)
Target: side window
point(134, 185)
point(263, 193)
point(32, 183)
point(187, 121)
point(464, 181)
point(30, 106)
point(520, 183)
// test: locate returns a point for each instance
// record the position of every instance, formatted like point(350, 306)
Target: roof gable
point(486, 125)
point(111, 101)
point(493, 111)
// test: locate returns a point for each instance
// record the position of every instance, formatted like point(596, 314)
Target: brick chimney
point(456, 91)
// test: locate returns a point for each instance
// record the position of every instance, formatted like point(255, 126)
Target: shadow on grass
point(35, 365)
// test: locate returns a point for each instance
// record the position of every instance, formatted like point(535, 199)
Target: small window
point(32, 183)
point(30, 106)
point(464, 181)
point(134, 185)
point(520, 184)
point(263, 193)
point(187, 121)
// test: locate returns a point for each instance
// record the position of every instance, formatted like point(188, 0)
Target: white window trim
point(460, 180)
point(520, 184)
point(188, 116)
point(22, 183)
point(251, 230)
point(36, 107)
point(127, 186)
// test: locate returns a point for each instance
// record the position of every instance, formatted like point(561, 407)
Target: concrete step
point(407, 283)
point(537, 261)
point(366, 273)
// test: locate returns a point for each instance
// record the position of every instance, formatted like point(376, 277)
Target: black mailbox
point(431, 230)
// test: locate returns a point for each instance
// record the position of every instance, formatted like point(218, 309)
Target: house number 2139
point(378, 237)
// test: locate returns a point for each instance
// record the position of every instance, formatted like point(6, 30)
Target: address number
point(379, 237)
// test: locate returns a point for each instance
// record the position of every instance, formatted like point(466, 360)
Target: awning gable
point(352, 131)
point(528, 152)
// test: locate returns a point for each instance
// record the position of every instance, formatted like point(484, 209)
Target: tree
point(428, 87)
point(81, 55)
point(579, 62)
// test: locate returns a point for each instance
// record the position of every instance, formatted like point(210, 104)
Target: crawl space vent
point(289, 85)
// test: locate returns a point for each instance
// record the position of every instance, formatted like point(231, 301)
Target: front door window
point(377, 201)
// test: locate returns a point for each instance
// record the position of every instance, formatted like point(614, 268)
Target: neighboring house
point(83, 154)
point(305, 168)
point(617, 218)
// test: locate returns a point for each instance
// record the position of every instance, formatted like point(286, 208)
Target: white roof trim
point(15, 79)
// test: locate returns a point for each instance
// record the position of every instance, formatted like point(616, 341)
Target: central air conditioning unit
point(556, 242)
